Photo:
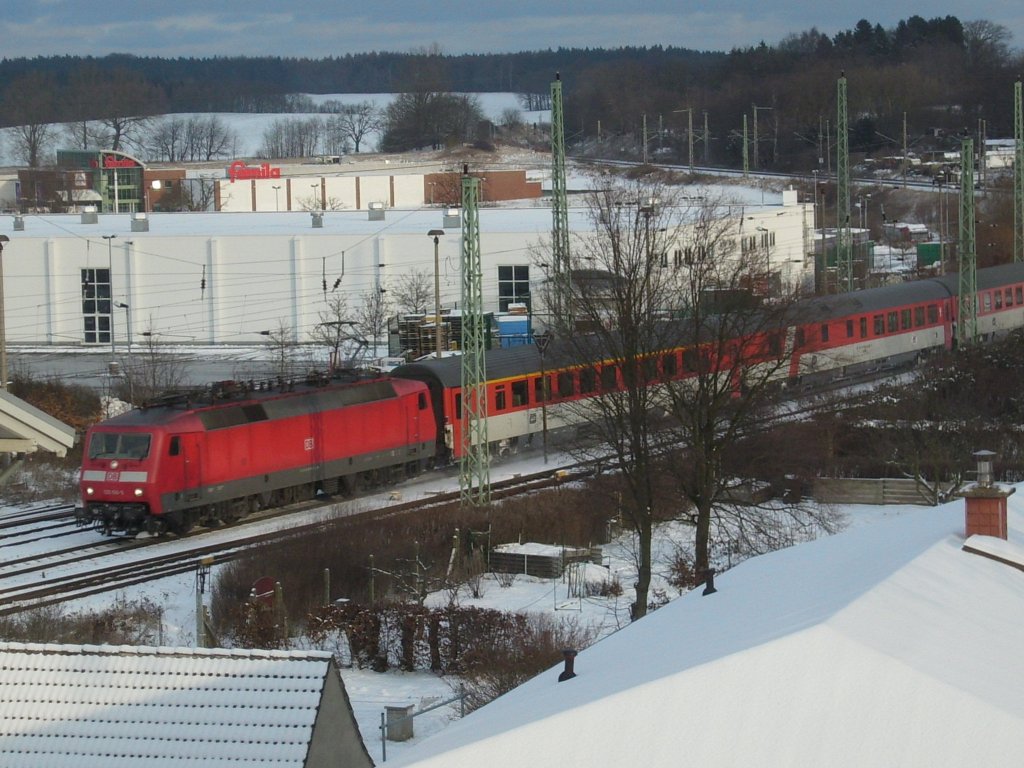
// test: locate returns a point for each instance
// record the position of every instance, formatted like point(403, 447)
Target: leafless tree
point(30, 107)
point(153, 370)
point(373, 316)
point(663, 272)
point(337, 331)
point(414, 292)
point(283, 346)
point(353, 122)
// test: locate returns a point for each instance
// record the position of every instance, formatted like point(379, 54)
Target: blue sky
point(319, 28)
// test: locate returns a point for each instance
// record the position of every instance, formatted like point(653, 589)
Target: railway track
point(62, 574)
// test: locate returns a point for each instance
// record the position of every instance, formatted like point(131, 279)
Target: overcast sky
point(318, 28)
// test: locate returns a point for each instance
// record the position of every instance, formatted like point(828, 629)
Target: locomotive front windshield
point(119, 445)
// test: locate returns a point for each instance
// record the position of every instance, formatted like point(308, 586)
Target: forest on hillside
point(926, 78)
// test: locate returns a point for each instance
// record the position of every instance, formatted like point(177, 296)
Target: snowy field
point(249, 127)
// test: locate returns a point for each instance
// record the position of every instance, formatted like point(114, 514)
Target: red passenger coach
point(169, 466)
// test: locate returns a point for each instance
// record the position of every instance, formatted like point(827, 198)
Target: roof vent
point(318, 219)
point(139, 222)
point(452, 218)
point(89, 215)
point(570, 657)
point(19, 223)
point(376, 211)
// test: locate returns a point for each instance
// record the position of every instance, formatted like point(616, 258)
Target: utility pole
point(645, 138)
point(474, 463)
point(707, 139)
point(903, 163)
point(844, 239)
point(967, 322)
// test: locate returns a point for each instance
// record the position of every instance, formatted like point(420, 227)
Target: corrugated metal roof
point(83, 706)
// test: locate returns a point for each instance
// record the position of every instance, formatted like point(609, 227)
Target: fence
point(885, 490)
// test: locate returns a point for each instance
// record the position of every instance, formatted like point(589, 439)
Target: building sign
point(239, 170)
point(111, 161)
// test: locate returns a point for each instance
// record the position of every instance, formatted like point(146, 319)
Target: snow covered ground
point(370, 692)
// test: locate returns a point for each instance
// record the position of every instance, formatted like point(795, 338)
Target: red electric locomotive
point(172, 465)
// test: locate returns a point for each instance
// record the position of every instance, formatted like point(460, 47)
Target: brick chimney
point(985, 502)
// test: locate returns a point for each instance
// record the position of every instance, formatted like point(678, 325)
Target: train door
point(192, 460)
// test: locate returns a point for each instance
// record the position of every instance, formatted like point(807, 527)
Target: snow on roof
point(884, 645)
point(82, 706)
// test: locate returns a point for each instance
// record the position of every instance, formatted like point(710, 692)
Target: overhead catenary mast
point(844, 237)
point(967, 322)
point(560, 268)
point(474, 463)
point(1018, 173)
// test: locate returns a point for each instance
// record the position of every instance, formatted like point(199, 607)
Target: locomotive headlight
point(89, 491)
point(138, 491)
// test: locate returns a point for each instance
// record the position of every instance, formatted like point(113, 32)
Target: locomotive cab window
point(119, 445)
point(421, 401)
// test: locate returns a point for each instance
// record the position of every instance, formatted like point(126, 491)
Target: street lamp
point(3, 329)
point(316, 195)
point(436, 234)
point(542, 340)
point(110, 283)
point(277, 203)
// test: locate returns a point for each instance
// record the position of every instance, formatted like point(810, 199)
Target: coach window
point(863, 327)
point(499, 399)
point(650, 368)
point(918, 317)
point(588, 381)
point(668, 365)
point(986, 302)
point(458, 406)
point(609, 382)
point(1009, 297)
point(905, 319)
point(565, 384)
point(519, 393)
point(824, 332)
point(893, 322)
point(1018, 295)
point(933, 313)
point(542, 389)
point(879, 325)
point(849, 329)
point(690, 360)
point(998, 297)
point(798, 338)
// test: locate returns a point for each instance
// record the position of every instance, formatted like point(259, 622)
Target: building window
point(513, 286)
point(96, 305)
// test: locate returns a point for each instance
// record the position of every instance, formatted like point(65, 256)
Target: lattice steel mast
point(474, 464)
point(967, 322)
point(844, 238)
point(561, 268)
point(1018, 173)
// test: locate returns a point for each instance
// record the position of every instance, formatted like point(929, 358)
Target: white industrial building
point(224, 278)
